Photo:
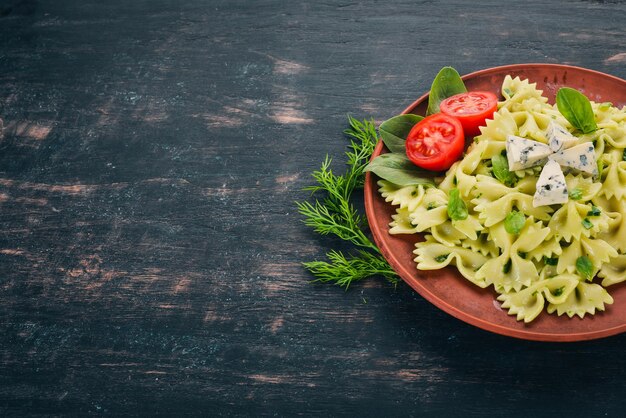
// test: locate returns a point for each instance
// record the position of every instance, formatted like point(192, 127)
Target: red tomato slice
point(435, 142)
point(471, 108)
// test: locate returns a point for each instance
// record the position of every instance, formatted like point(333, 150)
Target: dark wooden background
point(150, 249)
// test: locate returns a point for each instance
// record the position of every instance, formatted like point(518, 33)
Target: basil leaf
point(447, 83)
point(576, 108)
point(500, 169)
point(395, 130)
point(587, 224)
point(399, 170)
point(584, 266)
point(457, 210)
point(514, 222)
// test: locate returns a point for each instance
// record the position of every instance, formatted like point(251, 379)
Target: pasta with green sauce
point(558, 257)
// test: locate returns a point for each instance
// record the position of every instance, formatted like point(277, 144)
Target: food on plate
point(435, 142)
point(471, 109)
point(533, 209)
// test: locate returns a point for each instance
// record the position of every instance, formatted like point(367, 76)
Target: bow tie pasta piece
point(528, 303)
point(573, 220)
point(613, 272)
point(598, 251)
point(432, 255)
point(585, 299)
point(614, 174)
point(408, 197)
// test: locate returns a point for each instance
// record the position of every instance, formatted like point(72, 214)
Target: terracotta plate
point(446, 288)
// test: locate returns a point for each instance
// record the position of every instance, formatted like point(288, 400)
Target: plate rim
point(370, 193)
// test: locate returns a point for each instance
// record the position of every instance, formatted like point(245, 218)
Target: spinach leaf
point(394, 131)
point(514, 222)
point(399, 170)
point(500, 169)
point(585, 268)
point(447, 83)
point(576, 108)
point(457, 210)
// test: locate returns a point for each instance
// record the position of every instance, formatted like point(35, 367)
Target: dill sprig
point(333, 213)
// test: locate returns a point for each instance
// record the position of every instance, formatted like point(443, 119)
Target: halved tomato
point(471, 108)
point(435, 142)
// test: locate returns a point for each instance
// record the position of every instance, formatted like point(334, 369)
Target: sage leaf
point(399, 170)
point(457, 210)
point(500, 169)
point(395, 130)
point(584, 266)
point(514, 222)
point(576, 108)
point(447, 83)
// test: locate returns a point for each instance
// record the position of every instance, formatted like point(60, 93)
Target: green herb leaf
point(514, 222)
point(584, 267)
point(595, 211)
point(399, 170)
point(551, 261)
point(500, 169)
point(576, 108)
point(558, 292)
point(332, 212)
point(507, 267)
point(441, 258)
point(457, 210)
point(576, 194)
point(395, 130)
point(447, 83)
point(587, 224)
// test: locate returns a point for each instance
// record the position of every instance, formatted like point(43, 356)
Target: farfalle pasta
point(558, 258)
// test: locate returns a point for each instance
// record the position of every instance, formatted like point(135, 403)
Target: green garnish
point(457, 210)
point(576, 194)
point(514, 222)
point(395, 130)
point(500, 170)
point(587, 224)
point(558, 292)
point(576, 108)
point(447, 83)
point(507, 267)
point(595, 211)
point(551, 261)
point(441, 258)
point(584, 267)
point(399, 170)
point(333, 213)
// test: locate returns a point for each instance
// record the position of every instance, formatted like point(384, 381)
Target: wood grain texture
point(150, 249)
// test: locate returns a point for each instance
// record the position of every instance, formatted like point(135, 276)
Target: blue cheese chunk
point(524, 153)
point(581, 157)
point(559, 138)
point(551, 188)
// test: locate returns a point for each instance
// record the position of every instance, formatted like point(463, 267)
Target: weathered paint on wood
point(150, 249)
